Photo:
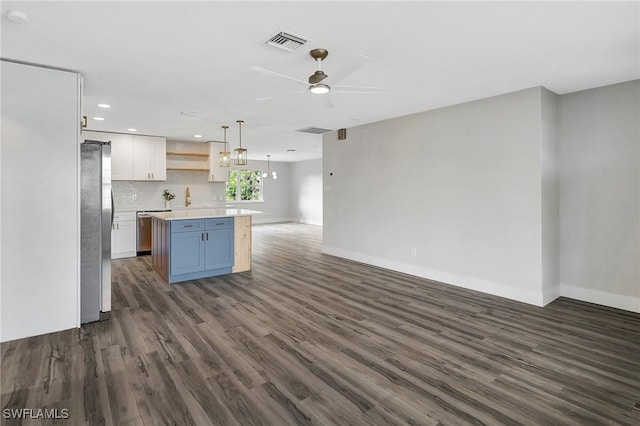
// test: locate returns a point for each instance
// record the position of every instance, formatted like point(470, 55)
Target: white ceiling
point(152, 60)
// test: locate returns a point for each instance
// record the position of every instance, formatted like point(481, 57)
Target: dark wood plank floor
point(306, 338)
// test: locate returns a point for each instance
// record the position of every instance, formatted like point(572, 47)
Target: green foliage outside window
point(249, 185)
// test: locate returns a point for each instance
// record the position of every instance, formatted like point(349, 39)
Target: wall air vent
point(314, 130)
point(285, 40)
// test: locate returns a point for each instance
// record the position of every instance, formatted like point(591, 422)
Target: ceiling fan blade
point(276, 74)
point(266, 98)
point(363, 92)
point(349, 69)
point(347, 87)
point(328, 103)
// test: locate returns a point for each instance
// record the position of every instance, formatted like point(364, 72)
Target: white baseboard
point(307, 221)
point(257, 220)
point(496, 289)
point(550, 294)
point(613, 300)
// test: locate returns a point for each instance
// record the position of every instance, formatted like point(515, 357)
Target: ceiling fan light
point(319, 89)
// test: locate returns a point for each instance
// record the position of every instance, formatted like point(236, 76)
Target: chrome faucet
point(187, 201)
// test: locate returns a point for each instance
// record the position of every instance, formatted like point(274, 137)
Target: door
point(159, 161)
point(218, 248)
point(91, 231)
point(121, 156)
point(187, 252)
point(126, 236)
point(141, 158)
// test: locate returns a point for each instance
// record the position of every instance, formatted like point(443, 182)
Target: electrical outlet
point(134, 197)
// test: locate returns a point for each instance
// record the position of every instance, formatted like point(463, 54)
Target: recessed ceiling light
point(98, 118)
point(132, 130)
point(17, 16)
point(197, 136)
point(104, 105)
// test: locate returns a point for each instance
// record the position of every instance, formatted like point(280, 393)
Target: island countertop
point(202, 213)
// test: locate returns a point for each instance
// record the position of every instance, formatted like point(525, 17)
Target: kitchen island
point(200, 243)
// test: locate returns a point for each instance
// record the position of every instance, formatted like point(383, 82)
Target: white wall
point(600, 195)
point(550, 196)
point(149, 194)
point(39, 282)
point(275, 207)
point(461, 185)
point(306, 192)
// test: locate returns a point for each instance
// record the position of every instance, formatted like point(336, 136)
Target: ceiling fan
point(315, 82)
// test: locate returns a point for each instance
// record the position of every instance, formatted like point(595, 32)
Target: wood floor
point(306, 338)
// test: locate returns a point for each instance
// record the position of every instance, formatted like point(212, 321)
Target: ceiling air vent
point(314, 130)
point(285, 40)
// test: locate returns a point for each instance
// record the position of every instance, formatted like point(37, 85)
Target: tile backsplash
point(149, 194)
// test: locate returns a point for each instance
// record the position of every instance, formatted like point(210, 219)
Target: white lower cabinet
point(123, 235)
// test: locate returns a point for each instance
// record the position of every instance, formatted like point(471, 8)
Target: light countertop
point(203, 213)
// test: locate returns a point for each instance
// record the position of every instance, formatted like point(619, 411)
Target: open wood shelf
point(192, 169)
point(189, 154)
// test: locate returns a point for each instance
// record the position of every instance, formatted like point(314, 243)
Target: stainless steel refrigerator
point(96, 218)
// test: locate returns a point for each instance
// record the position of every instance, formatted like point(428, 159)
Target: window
point(244, 185)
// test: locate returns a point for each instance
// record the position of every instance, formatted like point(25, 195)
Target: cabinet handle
point(221, 223)
point(117, 226)
point(152, 176)
point(207, 236)
point(211, 176)
point(202, 237)
point(188, 226)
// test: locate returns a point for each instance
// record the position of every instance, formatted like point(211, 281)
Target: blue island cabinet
point(189, 249)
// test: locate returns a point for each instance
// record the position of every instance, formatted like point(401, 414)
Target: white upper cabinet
point(159, 169)
point(149, 158)
point(92, 136)
point(216, 173)
point(121, 152)
point(134, 157)
point(121, 156)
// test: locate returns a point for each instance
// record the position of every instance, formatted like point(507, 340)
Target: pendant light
point(240, 153)
point(224, 158)
point(269, 174)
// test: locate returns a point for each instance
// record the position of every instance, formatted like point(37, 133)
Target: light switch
point(134, 197)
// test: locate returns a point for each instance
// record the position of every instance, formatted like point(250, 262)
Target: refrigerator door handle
point(113, 207)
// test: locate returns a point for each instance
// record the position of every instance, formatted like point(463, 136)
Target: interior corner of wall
point(550, 294)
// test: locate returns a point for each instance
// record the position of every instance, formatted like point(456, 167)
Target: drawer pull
point(187, 226)
point(221, 223)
